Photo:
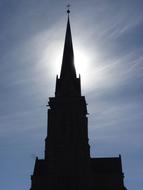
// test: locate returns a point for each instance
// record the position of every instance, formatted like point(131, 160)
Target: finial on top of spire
point(68, 68)
point(68, 8)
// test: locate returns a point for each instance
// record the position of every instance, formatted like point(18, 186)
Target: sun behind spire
point(68, 84)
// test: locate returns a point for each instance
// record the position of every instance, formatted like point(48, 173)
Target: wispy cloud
point(32, 37)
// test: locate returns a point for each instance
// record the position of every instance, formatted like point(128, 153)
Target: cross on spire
point(68, 8)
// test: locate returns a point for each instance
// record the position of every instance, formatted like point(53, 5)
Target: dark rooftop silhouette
point(67, 163)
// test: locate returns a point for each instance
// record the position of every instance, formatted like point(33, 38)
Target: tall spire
point(68, 68)
point(68, 84)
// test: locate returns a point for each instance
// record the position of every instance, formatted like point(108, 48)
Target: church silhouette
point(67, 164)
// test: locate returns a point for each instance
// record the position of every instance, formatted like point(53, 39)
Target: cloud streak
point(110, 35)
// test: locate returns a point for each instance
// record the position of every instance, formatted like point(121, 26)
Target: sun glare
point(86, 64)
point(83, 66)
point(82, 59)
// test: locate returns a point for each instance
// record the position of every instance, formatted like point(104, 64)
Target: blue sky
point(108, 43)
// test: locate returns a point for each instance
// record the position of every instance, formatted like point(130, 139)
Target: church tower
point(67, 164)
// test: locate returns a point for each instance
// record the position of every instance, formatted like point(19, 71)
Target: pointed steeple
point(68, 84)
point(68, 68)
